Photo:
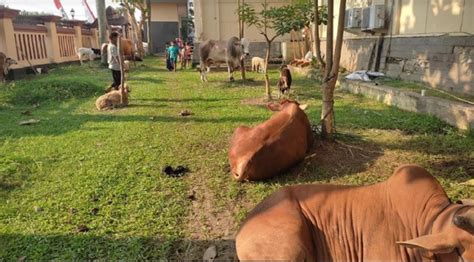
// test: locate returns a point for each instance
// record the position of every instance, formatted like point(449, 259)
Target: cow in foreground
point(216, 52)
point(272, 147)
point(406, 218)
point(5, 63)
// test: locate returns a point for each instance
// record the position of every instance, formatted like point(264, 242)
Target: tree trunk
point(268, 92)
point(241, 35)
point(148, 28)
point(100, 5)
point(140, 49)
point(317, 41)
point(329, 40)
point(293, 47)
point(327, 112)
point(300, 47)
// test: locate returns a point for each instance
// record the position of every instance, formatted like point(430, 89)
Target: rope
point(317, 128)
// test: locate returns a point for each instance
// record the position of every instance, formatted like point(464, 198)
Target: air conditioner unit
point(377, 18)
point(353, 18)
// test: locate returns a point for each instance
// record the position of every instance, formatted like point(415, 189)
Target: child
point(114, 62)
point(167, 55)
point(173, 52)
point(187, 52)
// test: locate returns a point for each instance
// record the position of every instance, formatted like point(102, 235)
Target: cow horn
point(465, 221)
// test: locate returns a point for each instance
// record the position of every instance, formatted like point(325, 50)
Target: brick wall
point(445, 62)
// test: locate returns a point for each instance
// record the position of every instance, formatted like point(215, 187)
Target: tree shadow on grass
point(57, 124)
point(88, 246)
point(184, 100)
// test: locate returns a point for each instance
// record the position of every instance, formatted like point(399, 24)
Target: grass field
point(83, 184)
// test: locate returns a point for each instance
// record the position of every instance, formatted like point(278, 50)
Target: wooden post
point(122, 78)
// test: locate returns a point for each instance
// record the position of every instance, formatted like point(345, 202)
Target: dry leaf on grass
point(29, 122)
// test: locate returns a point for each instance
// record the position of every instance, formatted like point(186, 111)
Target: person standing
point(114, 62)
point(173, 52)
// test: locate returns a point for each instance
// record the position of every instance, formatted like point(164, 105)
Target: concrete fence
point(41, 40)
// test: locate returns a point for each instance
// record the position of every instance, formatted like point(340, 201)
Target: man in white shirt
point(113, 60)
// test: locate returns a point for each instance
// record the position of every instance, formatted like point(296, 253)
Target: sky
point(49, 7)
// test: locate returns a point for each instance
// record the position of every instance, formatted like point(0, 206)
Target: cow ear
point(436, 243)
point(304, 107)
point(274, 106)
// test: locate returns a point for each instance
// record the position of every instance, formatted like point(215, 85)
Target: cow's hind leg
point(203, 70)
point(276, 230)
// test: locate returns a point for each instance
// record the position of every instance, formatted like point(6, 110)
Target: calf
point(113, 99)
point(258, 64)
point(284, 83)
point(405, 218)
point(5, 63)
point(272, 147)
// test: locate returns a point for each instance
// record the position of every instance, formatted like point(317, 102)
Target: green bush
point(52, 89)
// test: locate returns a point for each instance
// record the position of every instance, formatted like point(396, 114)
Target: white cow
point(216, 52)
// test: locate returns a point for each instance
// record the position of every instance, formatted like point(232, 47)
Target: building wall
point(166, 22)
point(164, 12)
point(218, 20)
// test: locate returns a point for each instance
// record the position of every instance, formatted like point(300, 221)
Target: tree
point(331, 71)
point(241, 35)
point(320, 17)
point(100, 4)
point(137, 27)
point(148, 29)
point(277, 19)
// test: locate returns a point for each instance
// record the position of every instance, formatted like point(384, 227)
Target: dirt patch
point(207, 225)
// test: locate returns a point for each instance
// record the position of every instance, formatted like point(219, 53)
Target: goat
point(113, 99)
point(258, 64)
point(284, 83)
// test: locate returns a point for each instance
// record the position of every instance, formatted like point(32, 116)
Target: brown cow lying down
point(273, 146)
point(405, 218)
point(112, 99)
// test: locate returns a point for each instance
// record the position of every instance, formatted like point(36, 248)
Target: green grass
point(80, 167)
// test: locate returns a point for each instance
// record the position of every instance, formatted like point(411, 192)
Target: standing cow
point(406, 218)
point(272, 147)
point(216, 52)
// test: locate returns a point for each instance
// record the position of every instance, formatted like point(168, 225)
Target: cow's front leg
point(231, 73)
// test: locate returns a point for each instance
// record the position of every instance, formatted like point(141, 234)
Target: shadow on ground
point(87, 246)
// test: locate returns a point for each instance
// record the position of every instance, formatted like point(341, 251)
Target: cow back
point(271, 147)
point(348, 223)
